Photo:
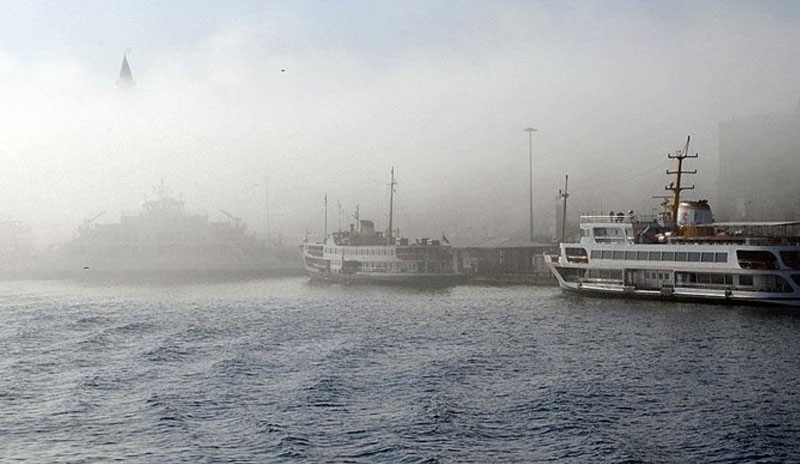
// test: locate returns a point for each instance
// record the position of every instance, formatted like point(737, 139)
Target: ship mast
point(325, 230)
point(391, 206)
point(564, 195)
point(675, 187)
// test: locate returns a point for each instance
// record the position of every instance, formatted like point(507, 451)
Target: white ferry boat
point(691, 258)
point(369, 256)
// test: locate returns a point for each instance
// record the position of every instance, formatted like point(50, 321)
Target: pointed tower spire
point(125, 80)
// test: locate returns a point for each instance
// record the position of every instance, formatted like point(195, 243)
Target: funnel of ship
point(695, 219)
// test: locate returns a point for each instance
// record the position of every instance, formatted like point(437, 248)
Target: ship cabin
point(695, 222)
point(622, 229)
point(366, 235)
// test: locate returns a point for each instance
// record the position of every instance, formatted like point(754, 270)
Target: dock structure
point(506, 261)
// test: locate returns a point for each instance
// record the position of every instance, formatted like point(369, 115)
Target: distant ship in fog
point(16, 247)
point(164, 238)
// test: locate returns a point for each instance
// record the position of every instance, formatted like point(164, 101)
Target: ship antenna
point(675, 186)
point(339, 210)
point(325, 230)
point(391, 205)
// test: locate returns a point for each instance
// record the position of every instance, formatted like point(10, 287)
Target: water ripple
point(280, 371)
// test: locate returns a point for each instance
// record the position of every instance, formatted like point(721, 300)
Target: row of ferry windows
point(766, 282)
point(363, 251)
point(690, 256)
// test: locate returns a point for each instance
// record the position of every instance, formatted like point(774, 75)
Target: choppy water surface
point(282, 371)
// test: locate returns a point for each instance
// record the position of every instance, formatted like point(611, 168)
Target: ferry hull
point(716, 296)
point(407, 280)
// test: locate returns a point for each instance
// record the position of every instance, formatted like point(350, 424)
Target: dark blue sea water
point(277, 370)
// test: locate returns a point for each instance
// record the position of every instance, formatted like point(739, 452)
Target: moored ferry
point(682, 254)
point(364, 255)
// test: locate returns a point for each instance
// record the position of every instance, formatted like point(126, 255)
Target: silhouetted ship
point(369, 257)
point(164, 238)
point(17, 255)
point(682, 254)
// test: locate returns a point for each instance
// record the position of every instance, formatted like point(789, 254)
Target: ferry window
point(630, 255)
point(791, 258)
point(607, 254)
point(668, 256)
point(694, 257)
point(600, 232)
point(720, 257)
point(707, 257)
point(680, 256)
point(619, 254)
point(746, 280)
point(641, 255)
point(608, 274)
point(596, 254)
point(576, 255)
point(756, 259)
point(612, 274)
point(575, 251)
point(572, 274)
point(718, 279)
point(776, 283)
point(655, 256)
point(796, 278)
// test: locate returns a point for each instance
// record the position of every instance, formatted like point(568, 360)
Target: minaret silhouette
point(125, 80)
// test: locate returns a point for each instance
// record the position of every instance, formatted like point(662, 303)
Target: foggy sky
point(325, 97)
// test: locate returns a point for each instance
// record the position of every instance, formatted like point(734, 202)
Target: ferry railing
point(619, 218)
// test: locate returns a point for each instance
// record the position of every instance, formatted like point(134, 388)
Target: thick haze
point(328, 96)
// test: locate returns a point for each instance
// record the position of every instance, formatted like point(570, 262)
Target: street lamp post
point(530, 132)
point(266, 189)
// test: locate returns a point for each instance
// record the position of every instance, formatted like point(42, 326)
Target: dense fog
point(262, 108)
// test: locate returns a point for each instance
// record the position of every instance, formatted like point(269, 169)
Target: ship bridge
point(622, 228)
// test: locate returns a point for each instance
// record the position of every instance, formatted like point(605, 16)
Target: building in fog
point(759, 168)
point(506, 260)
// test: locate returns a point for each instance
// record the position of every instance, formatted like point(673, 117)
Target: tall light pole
point(266, 188)
point(530, 132)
